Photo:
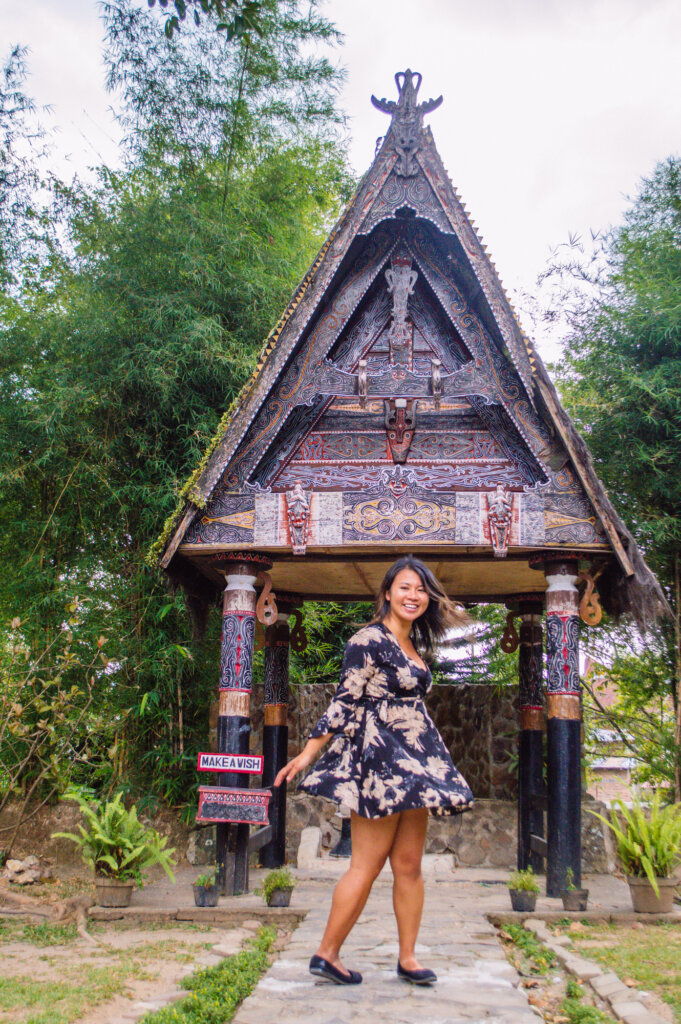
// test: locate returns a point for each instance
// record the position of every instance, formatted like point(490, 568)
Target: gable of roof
point(407, 175)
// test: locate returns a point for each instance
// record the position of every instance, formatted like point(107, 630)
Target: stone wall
point(478, 725)
point(484, 837)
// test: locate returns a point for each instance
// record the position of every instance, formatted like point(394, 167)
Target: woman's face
point(407, 596)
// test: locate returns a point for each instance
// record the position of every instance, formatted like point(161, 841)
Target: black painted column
point(530, 732)
point(564, 810)
point(275, 729)
point(234, 709)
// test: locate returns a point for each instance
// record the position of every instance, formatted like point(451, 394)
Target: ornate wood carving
point(499, 511)
point(399, 381)
point(298, 634)
point(298, 512)
point(400, 424)
point(509, 638)
point(401, 279)
point(266, 605)
point(297, 387)
point(229, 519)
point(590, 610)
point(562, 652)
point(406, 126)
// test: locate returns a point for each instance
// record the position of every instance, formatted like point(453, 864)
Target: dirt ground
point(139, 963)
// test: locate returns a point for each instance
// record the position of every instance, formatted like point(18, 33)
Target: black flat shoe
point(323, 969)
point(423, 976)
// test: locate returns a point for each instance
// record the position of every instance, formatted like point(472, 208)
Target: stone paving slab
point(476, 982)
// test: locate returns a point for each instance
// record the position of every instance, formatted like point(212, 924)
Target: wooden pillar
point(234, 709)
point(530, 733)
point(275, 729)
point(564, 797)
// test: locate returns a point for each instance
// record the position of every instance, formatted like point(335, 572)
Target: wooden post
point(564, 807)
point(275, 728)
point(234, 709)
point(530, 733)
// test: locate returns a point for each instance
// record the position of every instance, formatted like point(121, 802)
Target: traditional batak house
point(398, 407)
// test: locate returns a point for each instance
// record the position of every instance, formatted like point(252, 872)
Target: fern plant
point(649, 845)
point(115, 843)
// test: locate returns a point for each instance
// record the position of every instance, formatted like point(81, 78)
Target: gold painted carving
point(372, 517)
point(266, 606)
point(590, 606)
point(275, 714)
point(531, 718)
point(235, 702)
point(564, 705)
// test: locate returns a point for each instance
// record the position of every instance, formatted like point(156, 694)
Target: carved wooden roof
point(398, 402)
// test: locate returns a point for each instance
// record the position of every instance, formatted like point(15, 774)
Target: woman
point(386, 761)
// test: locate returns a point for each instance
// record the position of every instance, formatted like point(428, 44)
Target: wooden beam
point(176, 539)
point(538, 845)
point(259, 838)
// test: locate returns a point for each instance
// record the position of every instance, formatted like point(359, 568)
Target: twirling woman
point(386, 761)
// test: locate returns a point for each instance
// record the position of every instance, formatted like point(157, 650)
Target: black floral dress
point(386, 755)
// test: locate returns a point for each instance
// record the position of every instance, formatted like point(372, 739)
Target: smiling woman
point(386, 760)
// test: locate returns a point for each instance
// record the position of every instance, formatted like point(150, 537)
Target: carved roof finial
point(407, 119)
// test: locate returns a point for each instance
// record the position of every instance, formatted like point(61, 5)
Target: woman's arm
point(304, 758)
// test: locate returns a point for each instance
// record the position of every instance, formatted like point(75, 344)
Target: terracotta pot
point(643, 896)
point(205, 895)
point(523, 900)
point(280, 898)
point(574, 899)
point(113, 892)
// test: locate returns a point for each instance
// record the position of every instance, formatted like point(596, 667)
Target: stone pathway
point(476, 982)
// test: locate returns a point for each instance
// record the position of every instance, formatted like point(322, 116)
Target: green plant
point(208, 879)
point(216, 992)
point(539, 959)
point(577, 1012)
point(523, 881)
point(281, 878)
point(648, 845)
point(569, 880)
point(115, 843)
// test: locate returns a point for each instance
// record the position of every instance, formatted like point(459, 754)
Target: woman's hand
point(304, 758)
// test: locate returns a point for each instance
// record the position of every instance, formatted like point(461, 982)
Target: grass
point(217, 992)
point(650, 955)
point(578, 1012)
point(538, 958)
point(43, 934)
point(63, 1002)
point(82, 983)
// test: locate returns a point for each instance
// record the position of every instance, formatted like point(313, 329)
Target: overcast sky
point(553, 109)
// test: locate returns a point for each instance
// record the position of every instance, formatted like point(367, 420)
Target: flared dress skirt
point(386, 754)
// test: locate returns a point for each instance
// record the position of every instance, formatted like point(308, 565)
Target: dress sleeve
point(342, 713)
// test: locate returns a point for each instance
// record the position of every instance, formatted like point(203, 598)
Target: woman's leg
point(405, 861)
point(371, 843)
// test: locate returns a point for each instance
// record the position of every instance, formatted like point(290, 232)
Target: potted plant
point(524, 888)
point(572, 897)
point(119, 848)
point(277, 887)
point(649, 847)
point(206, 889)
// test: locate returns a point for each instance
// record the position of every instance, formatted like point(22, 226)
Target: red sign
point(251, 763)
point(248, 806)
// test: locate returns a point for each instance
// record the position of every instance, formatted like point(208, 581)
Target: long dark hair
point(441, 614)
